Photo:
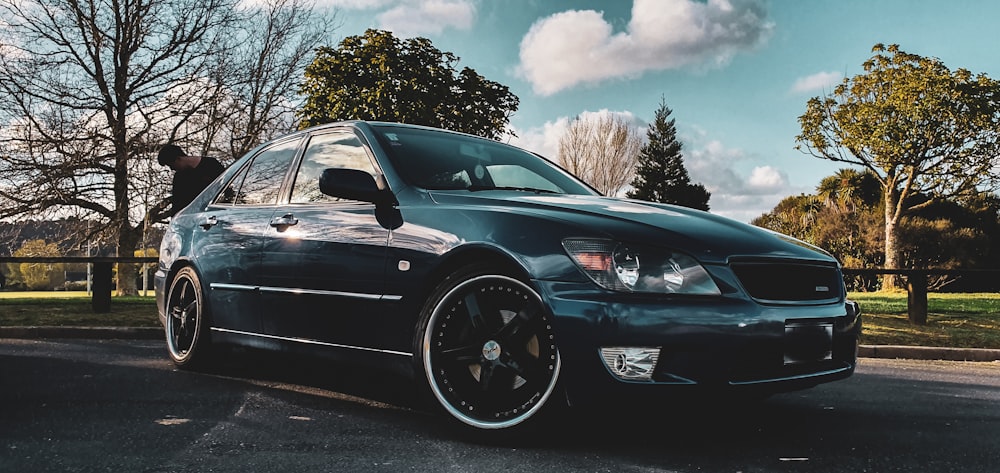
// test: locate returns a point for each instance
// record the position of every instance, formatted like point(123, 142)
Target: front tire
point(487, 349)
point(186, 326)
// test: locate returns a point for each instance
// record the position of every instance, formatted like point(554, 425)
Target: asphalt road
point(119, 405)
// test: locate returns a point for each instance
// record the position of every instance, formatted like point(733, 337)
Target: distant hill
point(70, 235)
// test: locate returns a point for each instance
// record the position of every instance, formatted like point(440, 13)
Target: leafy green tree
point(850, 189)
point(39, 276)
point(661, 175)
point(377, 76)
point(845, 217)
point(146, 271)
point(793, 216)
point(947, 234)
point(920, 128)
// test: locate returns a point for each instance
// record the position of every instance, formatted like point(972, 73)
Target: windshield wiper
point(511, 188)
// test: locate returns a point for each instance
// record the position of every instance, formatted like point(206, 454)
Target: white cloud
point(543, 140)
point(735, 194)
point(818, 81)
point(413, 18)
point(767, 179)
point(711, 164)
point(408, 18)
point(580, 47)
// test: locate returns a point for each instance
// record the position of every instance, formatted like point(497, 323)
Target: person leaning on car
point(191, 174)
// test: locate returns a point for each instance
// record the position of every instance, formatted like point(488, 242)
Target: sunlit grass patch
point(953, 320)
point(127, 311)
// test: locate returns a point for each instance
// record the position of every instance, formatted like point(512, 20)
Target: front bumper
point(718, 343)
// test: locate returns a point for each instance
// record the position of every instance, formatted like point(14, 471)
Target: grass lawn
point(954, 320)
point(70, 309)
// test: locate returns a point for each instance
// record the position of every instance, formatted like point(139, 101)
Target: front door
point(323, 258)
point(229, 235)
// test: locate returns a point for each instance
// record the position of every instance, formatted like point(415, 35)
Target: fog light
point(631, 363)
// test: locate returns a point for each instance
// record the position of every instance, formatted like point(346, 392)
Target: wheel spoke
point(184, 288)
point(466, 354)
point(495, 378)
point(518, 330)
point(181, 338)
point(524, 365)
point(476, 317)
point(191, 307)
point(486, 376)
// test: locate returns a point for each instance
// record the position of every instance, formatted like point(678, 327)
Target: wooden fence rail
point(101, 289)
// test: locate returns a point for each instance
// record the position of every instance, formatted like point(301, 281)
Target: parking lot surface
point(119, 405)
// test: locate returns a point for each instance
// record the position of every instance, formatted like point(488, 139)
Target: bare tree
point(602, 150)
point(89, 89)
point(263, 71)
point(252, 94)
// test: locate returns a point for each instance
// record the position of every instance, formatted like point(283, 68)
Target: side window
point(228, 194)
point(341, 149)
point(260, 181)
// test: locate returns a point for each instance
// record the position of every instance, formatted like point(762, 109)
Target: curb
point(156, 333)
point(928, 353)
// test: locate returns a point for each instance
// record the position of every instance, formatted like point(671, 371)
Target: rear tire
point(186, 327)
point(487, 351)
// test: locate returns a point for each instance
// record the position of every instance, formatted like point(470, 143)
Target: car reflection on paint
point(503, 284)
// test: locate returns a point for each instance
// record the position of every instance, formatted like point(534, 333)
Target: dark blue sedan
point(502, 283)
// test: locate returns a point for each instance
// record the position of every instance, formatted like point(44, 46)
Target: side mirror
point(354, 184)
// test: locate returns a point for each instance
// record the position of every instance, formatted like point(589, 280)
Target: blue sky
point(736, 73)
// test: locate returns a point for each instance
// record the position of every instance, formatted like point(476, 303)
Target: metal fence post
point(916, 297)
point(101, 298)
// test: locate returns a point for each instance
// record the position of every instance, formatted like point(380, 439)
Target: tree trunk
point(128, 241)
point(892, 260)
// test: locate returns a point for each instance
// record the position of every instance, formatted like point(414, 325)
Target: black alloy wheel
point(185, 325)
point(488, 350)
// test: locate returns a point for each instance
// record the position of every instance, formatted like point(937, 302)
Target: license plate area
point(807, 342)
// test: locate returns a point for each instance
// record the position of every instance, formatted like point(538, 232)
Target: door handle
point(284, 221)
point(209, 222)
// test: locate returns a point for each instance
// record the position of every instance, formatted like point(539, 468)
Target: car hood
point(708, 237)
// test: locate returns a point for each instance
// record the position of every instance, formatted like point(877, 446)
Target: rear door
point(230, 233)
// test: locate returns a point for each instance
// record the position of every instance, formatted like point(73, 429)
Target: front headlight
point(631, 268)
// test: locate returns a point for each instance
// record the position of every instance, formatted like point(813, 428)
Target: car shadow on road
point(862, 415)
point(376, 385)
point(685, 420)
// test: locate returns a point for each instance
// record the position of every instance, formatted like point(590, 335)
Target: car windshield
point(439, 160)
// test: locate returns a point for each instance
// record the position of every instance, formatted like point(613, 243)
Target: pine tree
point(661, 175)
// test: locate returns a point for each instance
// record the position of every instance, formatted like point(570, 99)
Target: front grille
point(790, 282)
